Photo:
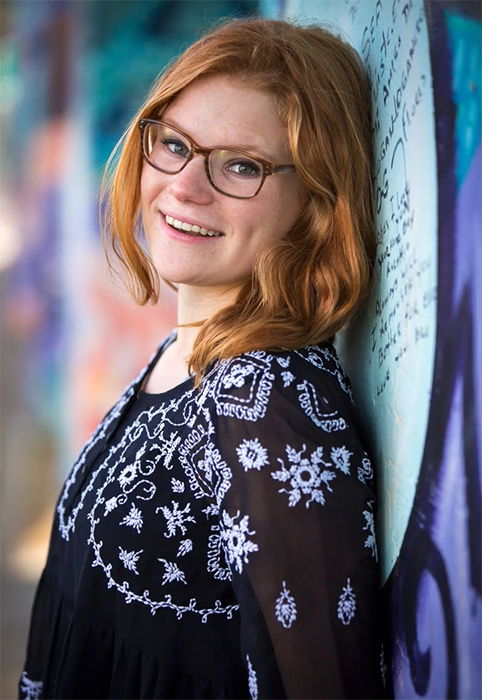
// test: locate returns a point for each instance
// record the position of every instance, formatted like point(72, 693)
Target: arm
point(297, 530)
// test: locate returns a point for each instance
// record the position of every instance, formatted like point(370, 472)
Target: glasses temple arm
point(283, 168)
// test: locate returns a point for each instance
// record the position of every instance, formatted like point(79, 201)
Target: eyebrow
point(254, 149)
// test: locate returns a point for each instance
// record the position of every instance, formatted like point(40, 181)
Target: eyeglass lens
point(232, 172)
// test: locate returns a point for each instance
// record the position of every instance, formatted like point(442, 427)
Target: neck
point(195, 304)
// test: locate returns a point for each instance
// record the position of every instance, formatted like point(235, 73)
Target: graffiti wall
point(72, 75)
point(75, 73)
point(412, 352)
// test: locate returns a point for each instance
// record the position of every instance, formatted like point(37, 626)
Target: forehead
point(222, 110)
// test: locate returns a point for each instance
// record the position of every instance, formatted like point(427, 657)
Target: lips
point(190, 229)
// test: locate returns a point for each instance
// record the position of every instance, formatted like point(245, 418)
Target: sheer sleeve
point(297, 527)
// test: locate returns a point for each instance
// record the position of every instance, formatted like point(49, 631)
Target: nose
point(191, 183)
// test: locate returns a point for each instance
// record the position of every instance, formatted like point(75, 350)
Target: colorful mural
point(72, 76)
point(80, 71)
point(412, 352)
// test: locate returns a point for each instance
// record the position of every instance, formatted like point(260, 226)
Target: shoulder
point(318, 364)
point(285, 407)
point(248, 385)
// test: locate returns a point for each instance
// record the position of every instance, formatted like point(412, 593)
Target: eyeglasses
point(232, 172)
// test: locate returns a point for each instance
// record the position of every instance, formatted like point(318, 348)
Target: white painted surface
point(389, 351)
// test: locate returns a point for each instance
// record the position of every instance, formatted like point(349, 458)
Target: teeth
point(183, 226)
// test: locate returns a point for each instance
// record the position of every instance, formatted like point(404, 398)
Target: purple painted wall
point(434, 591)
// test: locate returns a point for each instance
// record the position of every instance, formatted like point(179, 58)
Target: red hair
point(323, 98)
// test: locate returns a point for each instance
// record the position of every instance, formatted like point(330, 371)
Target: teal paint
point(129, 43)
point(466, 42)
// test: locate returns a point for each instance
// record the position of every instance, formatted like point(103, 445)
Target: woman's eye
point(178, 148)
point(244, 168)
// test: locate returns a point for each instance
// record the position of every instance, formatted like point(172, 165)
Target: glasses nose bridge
point(204, 152)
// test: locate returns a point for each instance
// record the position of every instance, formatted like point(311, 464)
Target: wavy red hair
point(323, 98)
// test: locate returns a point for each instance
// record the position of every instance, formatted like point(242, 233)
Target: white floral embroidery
point(129, 559)
point(163, 429)
point(184, 548)
point(177, 485)
point(252, 680)
point(329, 421)
point(181, 435)
point(207, 472)
point(365, 472)
point(371, 540)
point(285, 608)
point(283, 361)
point(340, 457)
point(67, 515)
point(143, 489)
point(144, 464)
point(325, 358)
point(133, 519)
point(304, 476)
point(217, 565)
point(166, 603)
point(346, 604)
point(252, 454)
point(288, 378)
point(169, 447)
point(241, 387)
point(32, 690)
point(172, 572)
point(210, 510)
point(110, 504)
point(66, 519)
point(127, 475)
point(237, 375)
point(235, 541)
point(176, 518)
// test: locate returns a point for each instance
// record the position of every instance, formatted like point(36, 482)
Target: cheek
point(270, 224)
point(150, 186)
point(285, 213)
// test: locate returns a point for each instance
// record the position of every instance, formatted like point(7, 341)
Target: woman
point(215, 537)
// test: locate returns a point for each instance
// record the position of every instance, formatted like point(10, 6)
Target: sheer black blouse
point(215, 543)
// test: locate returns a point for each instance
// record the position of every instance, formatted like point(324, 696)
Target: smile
point(191, 229)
